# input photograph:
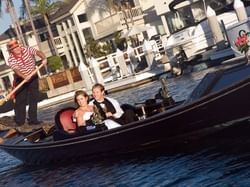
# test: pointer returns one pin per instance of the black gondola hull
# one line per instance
(208, 113)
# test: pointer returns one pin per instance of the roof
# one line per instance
(10, 32)
(64, 10)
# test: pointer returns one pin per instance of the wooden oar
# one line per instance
(2, 101)
(44, 131)
(10, 133)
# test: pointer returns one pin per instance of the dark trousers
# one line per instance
(27, 94)
(127, 117)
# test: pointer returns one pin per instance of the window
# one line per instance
(44, 36)
(87, 33)
(193, 14)
(6, 82)
(82, 18)
(1, 55)
(180, 19)
(72, 21)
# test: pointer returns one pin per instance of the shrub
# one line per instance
(54, 63)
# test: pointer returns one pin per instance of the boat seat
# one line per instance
(63, 120)
(66, 128)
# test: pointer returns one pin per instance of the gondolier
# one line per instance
(22, 62)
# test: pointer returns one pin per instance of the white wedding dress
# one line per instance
(110, 124)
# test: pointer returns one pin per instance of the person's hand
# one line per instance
(44, 61)
(27, 78)
(109, 114)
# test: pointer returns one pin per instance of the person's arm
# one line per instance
(42, 56)
(19, 73)
(79, 118)
(117, 107)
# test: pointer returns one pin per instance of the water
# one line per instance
(219, 160)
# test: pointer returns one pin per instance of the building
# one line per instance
(72, 25)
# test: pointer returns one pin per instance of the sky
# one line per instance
(5, 20)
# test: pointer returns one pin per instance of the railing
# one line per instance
(131, 16)
(131, 13)
(60, 79)
(110, 66)
(107, 25)
(117, 21)
(59, 44)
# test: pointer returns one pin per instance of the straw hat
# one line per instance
(12, 44)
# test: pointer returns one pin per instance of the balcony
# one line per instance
(106, 26)
(133, 16)
(45, 47)
(118, 21)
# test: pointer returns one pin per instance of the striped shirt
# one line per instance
(25, 63)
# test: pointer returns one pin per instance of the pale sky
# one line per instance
(5, 20)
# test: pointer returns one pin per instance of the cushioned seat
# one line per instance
(63, 119)
(64, 124)
(66, 128)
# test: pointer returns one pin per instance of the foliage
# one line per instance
(107, 48)
(95, 49)
(54, 63)
(242, 43)
(120, 42)
(46, 7)
(109, 6)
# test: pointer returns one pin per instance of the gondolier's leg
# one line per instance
(20, 105)
(33, 99)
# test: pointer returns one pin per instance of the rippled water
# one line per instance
(219, 160)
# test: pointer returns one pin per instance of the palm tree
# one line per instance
(46, 8)
(10, 8)
(109, 6)
(26, 9)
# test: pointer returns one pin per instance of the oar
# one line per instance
(2, 101)
(10, 133)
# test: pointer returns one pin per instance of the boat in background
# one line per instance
(235, 31)
(191, 40)
(220, 100)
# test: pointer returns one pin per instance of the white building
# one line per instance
(71, 26)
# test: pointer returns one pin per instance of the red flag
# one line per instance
(7, 9)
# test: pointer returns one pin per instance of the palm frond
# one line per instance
(1, 8)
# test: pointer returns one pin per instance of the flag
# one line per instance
(7, 9)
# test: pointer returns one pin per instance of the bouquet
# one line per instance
(241, 43)
(97, 117)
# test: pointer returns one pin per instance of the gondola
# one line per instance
(221, 98)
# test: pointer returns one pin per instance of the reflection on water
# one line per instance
(219, 160)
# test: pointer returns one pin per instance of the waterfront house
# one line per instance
(71, 25)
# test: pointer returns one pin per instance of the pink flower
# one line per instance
(241, 43)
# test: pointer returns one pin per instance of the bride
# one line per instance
(85, 115)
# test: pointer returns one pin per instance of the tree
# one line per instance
(46, 8)
(26, 10)
(112, 6)
(11, 10)
(96, 50)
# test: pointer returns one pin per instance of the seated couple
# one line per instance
(99, 114)
(87, 115)
(102, 108)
